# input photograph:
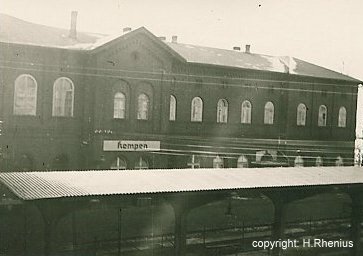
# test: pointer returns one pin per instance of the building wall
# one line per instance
(140, 65)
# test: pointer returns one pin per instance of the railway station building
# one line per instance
(72, 100)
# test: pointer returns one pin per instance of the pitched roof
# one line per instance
(56, 184)
(238, 59)
(14, 30)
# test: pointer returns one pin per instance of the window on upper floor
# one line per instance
(119, 106)
(246, 110)
(63, 97)
(197, 110)
(172, 108)
(301, 115)
(342, 118)
(323, 112)
(25, 96)
(143, 107)
(269, 113)
(222, 111)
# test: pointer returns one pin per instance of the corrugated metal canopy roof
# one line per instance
(57, 184)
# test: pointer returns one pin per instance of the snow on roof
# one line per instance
(239, 59)
(14, 30)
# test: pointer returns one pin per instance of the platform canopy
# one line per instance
(61, 184)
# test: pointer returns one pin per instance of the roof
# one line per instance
(57, 184)
(13, 30)
(238, 59)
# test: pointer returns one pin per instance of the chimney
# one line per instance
(236, 48)
(248, 48)
(162, 38)
(174, 39)
(126, 30)
(73, 30)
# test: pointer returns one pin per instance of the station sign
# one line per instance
(130, 145)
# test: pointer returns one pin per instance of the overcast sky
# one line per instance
(328, 33)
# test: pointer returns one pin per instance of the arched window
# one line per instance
(299, 161)
(172, 108)
(322, 115)
(222, 111)
(143, 107)
(301, 115)
(63, 97)
(119, 164)
(269, 113)
(119, 106)
(217, 162)
(342, 118)
(25, 95)
(242, 162)
(319, 161)
(197, 110)
(141, 164)
(246, 109)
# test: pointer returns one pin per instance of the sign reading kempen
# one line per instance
(130, 145)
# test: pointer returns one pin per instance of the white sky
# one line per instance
(328, 33)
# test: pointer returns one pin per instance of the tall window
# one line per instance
(301, 115)
(322, 115)
(246, 109)
(197, 110)
(342, 118)
(222, 111)
(25, 95)
(63, 97)
(119, 164)
(172, 108)
(269, 113)
(143, 107)
(119, 106)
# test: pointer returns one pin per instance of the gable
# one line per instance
(137, 50)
